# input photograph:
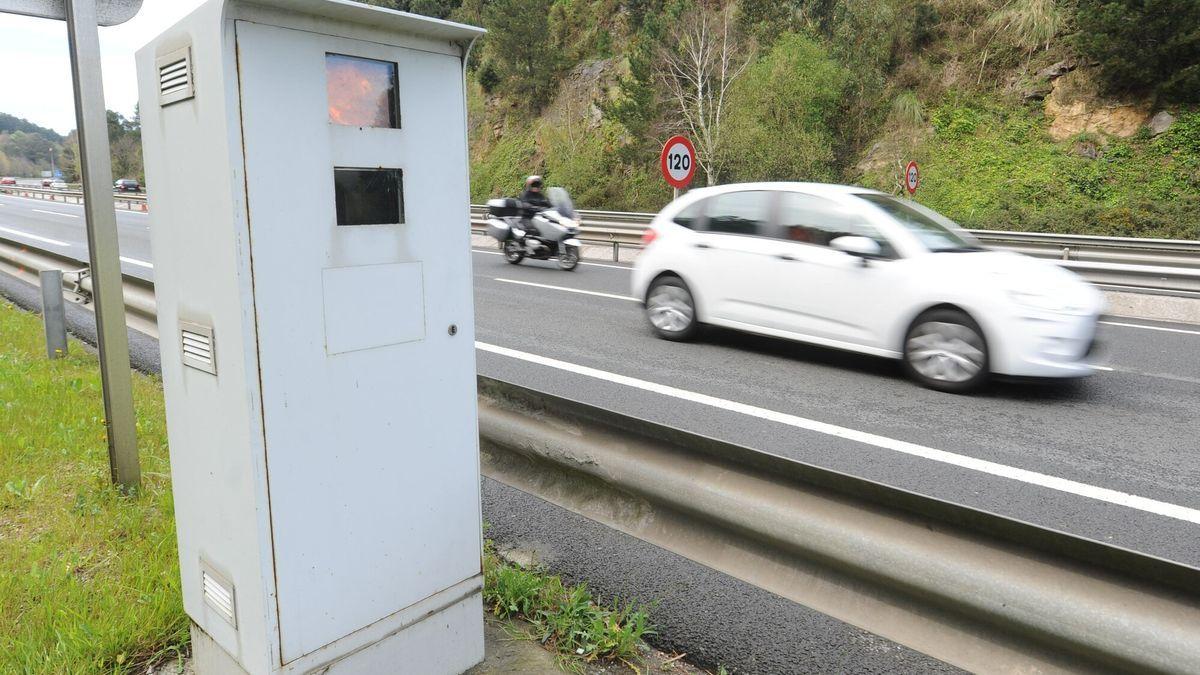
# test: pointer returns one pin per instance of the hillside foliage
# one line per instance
(26, 149)
(845, 91)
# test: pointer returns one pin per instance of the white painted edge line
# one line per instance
(991, 468)
(1160, 328)
(1104, 368)
(139, 263)
(55, 213)
(589, 264)
(568, 290)
(45, 240)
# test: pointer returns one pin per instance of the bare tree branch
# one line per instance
(702, 57)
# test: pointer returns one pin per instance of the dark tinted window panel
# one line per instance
(739, 213)
(690, 217)
(362, 92)
(369, 196)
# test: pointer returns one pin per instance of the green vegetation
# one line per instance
(1144, 46)
(26, 149)
(843, 90)
(992, 166)
(89, 581)
(565, 619)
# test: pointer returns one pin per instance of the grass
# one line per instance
(89, 579)
(565, 619)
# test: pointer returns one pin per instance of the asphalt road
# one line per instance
(60, 228)
(1115, 457)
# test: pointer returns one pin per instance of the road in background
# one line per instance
(1114, 457)
(61, 228)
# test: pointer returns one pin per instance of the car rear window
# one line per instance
(690, 216)
(746, 212)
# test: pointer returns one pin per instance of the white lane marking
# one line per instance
(1164, 329)
(55, 213)
(590, 264)
(991, 468)
(1104, 368)
(135, 261)
(568, 290)
(45, 240)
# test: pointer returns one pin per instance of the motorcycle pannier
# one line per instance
(504, 208)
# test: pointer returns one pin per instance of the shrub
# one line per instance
(1143, 46)
(782, 112)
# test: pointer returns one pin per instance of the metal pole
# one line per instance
(113, 341)
(54, 316)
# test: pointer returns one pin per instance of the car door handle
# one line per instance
(702, 245)
(784, 256)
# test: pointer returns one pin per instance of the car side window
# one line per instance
(747, 212)
(691, 216)
(812, 220)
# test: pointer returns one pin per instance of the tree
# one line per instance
(1143, 46)
(781, 124)
(435, 8)
(704, 54)
(520, 46)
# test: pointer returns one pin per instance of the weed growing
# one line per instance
(565, 619)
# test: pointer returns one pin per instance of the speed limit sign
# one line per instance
(912, 178)
(678, 161)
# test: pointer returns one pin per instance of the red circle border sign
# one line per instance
(662, 161)
(912, 185)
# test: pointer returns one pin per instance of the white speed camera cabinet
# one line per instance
(307, 168)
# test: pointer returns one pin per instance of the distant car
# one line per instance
(8, 181)
(126, 185)
(58, 185)
(46, 182)
(855, 269)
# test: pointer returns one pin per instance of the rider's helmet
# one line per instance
(534, 183)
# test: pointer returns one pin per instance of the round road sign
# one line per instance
(678, 161)
(912, 177)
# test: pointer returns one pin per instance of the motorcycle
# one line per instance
(547, 233)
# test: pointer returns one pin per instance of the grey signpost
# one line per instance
(83, 18)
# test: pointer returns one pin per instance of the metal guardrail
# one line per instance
(1168, 266)
(122, 200)
(973, 588)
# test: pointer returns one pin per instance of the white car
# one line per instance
(855, 269)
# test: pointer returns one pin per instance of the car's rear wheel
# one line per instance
(945, 350)
(671, 309)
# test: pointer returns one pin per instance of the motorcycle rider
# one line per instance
(533, 195)
(534, 200)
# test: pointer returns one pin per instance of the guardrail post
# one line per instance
(1066, 253)
(54, 315)
(616, 251)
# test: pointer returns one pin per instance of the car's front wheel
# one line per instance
(945, 350)
(671, 309)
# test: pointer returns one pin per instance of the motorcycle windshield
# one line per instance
(562, 202)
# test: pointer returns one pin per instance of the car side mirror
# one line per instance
(860, 247)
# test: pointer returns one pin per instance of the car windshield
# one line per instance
(935, 232)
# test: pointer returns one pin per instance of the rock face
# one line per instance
(1161, 121)
(1074, 107)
